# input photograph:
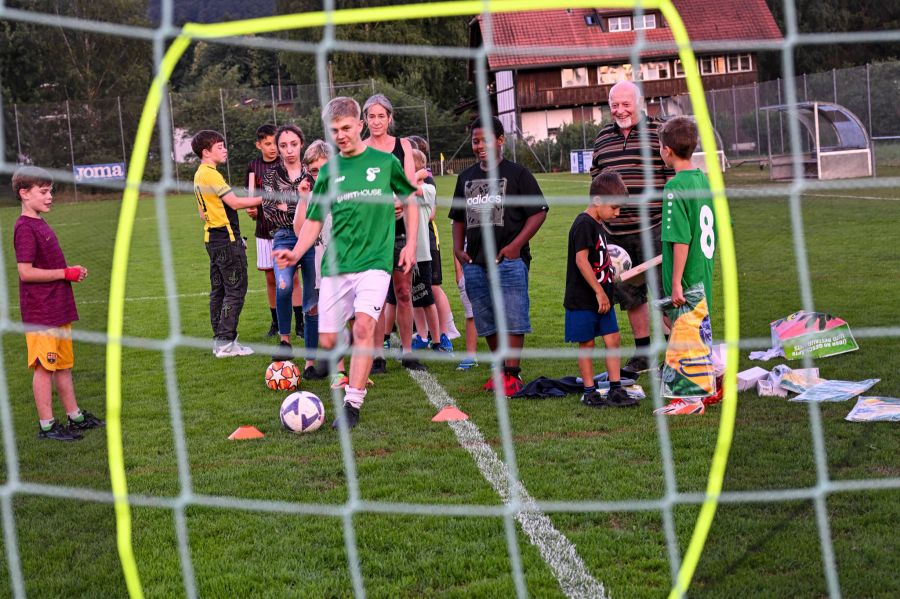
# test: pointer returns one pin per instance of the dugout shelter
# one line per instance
(698, 159)
(836, 145)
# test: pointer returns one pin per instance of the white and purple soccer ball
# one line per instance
(302, 412)
(620, 259)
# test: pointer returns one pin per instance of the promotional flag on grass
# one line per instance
(688, 370)
(813, 334)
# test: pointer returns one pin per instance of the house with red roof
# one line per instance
(548, 68)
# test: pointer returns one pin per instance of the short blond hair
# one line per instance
(419, 160)
(340, 107)
(316, 151)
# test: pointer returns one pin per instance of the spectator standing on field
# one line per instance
(258, 167)
(589, 286)
(226, 248)
(47, 304)
(378, 113)
(618, 148)
(513, 216)
(282, 199)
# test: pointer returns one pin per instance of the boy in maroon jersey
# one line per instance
(47, 305)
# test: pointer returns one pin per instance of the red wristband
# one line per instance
(73, 273)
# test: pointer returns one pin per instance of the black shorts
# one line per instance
(436, 272)
(421, 286)
(633, 296)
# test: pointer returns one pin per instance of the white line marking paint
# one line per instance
(154, 298)
(559, 553)
(829, 195)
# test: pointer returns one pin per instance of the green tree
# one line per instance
(443, 80)
(827, 16)
(53, 63)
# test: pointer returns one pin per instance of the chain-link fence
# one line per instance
(870, 92)
(68, 134)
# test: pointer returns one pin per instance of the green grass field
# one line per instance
(564, 452)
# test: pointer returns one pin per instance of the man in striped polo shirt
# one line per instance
(618, 148)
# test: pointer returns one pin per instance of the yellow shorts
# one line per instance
(51, 347)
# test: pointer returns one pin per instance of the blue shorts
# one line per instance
(513, 276)
(585, 325)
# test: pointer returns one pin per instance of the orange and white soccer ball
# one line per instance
(282, 376)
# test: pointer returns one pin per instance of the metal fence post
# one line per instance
(547, 127)
(834, 83)
(780, 119)
(427, 133)
(18, 139)
(869, 95)
(805, 93)
(274, 114)
(224, 133)
(737, 145)
(71, 148)
(756, 112)
(121, 129)
(583, 130)
(174, 141)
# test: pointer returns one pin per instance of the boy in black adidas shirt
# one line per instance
(589, 287)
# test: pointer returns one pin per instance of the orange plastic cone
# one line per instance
(246, 432)
(450, 413)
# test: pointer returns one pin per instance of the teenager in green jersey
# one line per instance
(359, 258)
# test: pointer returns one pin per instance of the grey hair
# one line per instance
(381, 100)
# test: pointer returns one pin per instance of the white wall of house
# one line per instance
(536, 123)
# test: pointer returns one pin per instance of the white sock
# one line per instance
(47, 424)
(452, 331)
(75, 415)
(354, 397)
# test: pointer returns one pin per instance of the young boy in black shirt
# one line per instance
(589, 287)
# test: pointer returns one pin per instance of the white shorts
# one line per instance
(464, 298)
(319, 250)
(342, 296)
(264, 254)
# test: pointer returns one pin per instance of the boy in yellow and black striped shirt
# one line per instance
(218, 208)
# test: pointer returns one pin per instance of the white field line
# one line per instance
(559, 553)
(846, 197)
(154, 298)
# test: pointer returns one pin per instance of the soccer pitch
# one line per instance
(564, 452)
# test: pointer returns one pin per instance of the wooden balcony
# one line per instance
(531, 97)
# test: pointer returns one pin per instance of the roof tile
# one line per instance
(725, 20)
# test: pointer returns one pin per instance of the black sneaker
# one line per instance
(379, 366)
(88, 421)
(636, 365)
(619, 398)
(411, 363)
(58, 432)
(351, 414)
(593, 400)
(311, 373)
(273, 330)
(284, 352)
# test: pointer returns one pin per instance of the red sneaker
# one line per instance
(489, 385)
(680, 407)
(512, 384)
(717, 396)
